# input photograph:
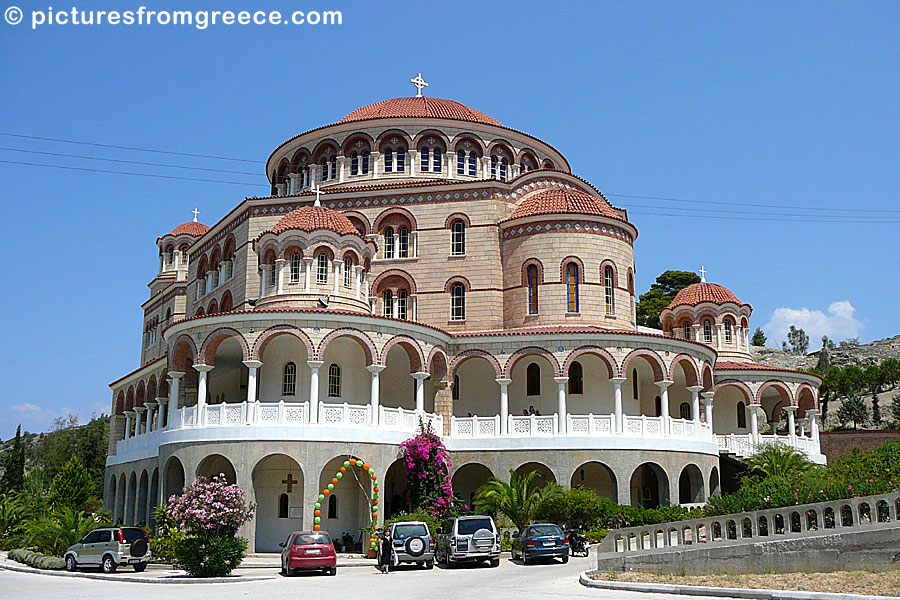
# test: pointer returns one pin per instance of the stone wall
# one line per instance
(835, 444)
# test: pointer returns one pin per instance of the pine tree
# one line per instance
(854, 410)
(895, 410)
(759, 338)
(72, 486)
(14, 465)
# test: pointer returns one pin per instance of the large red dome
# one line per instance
(697, 293)
(312, 218)
(192, 228)
(563, 201)
(418, 107)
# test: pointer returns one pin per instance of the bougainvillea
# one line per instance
(210, 508)
(427, 467)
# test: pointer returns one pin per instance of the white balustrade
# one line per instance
(533, 425)
(742, 446)
(404, 419)
(473, 427)
(345, 415)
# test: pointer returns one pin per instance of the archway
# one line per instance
(228, 379)
(690, 485)
(214, 465)
(130, 498)
(474, 382)
(153, 498)
(598, 477)
(544, 476)
(141, 508)
(120, 500)
(352, 509)
(173, 478)
(649, 486)
(395, 498)
(111, 495)
(278, 487)
(714, 482)
(467, 479)
(285, 372)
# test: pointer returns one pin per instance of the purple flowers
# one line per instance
(210, 508)
(428, 473)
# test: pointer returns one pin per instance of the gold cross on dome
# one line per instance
(419, 83)
(290, 481)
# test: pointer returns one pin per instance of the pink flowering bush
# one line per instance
(428, 474)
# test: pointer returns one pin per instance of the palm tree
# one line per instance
(60, 529)
(516, 500)
(779, 460)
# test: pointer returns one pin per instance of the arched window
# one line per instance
(402, 304)
(457, 302)
(283, 506)
(354, 164)
(387, 302)
(389, 242)
(533, 380)
(436, 160)
(685, 410)
(634, 384)
(741, 415)
(323, 176)
(687, 330)
(460, 163)
(572, 287)
(576, 378)
(289, 380)
(493, 167)
(388, 161)
(296, 260)
(403, 242)
(425, 160)
(332, 507)
(348, 271)
(170, 256)
(608, 288)
(473, 163)
(532, 274)
(334, 381)
(401, 161)
(504, 167)
(322, 268)
(455, 392)
(365, 163)
(707, 331)
(458, 238)
(728, 334)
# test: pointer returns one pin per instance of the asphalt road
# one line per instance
(510, 580)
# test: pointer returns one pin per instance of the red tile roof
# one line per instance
(728, 365)
(312, 218)
(563, 201)
(192, 228)
(697, 293)
(419, 107)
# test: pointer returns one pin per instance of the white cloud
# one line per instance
(839, 324)
(26, 408)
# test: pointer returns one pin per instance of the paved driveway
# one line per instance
(510, 580)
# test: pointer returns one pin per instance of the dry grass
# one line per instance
(873, 583)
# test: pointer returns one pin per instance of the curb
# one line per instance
(719, 592)
(127, 579)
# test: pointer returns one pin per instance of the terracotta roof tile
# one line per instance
(563, 201)
(418, 107)
(312, 218)
(192, 228)
(697, 293)
(728, 365)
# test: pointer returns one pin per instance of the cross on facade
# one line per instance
(419, 83)
(290, 481)
(703, 273)
(196, 214)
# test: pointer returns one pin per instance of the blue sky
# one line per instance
(789, 104)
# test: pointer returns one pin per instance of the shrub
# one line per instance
(427, 469)
(60, 528)
(210, 508)
(417, 515)
(215, 556)
(36, 559)
(72, 485)
(162, 545)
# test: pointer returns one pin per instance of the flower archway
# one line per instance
(367, 468)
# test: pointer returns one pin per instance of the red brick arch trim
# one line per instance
(129, 398)
(689, 366)
(391, 273)
(290, 250)
(355, 214)
(214, 339)
(349, 147)
(120, 403)
(597, 351)
(783, 390)
(272, 332)
(707, 376)
(395, 210)
(384, 141)
(183, 348)
(457, 279)
(365, 342)
(462, 357)
(601, 272)
(330, 250)
(437, 370)
(540, 269)
(457, 216)
(807, 402)
(743, 387)
(140, 395)
(151, 388)
(412, 348)
(355, 257)
(459, 143)
(652, 358)
(530, 351)
(564, 264)
(420, 140)
(319, 151)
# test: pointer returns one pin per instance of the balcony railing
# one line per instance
(742, 445)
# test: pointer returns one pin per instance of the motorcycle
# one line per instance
(578, 545)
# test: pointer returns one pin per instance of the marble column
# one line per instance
(420, 390)
(200, 409)
(504, 405)
(314, 366)
(253, 367)
(279, 265)
(664, 403)
(375, 389)
(561, 409)
(174, 384)
(617, 405)
(695, 401)
(791, 423)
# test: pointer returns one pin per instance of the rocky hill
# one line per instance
(846, 353)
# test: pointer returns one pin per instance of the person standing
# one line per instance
(385, 557)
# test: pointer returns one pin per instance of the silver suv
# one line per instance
(467, 539)
(110, 547)
(413, 543)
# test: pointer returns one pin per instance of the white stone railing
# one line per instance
(474, 427)
(533, 425)
(591, 424)
(403, 419)
(742, 445)
(345, 415)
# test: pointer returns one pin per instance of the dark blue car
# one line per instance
(540, 540)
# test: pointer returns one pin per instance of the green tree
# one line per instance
(759, 338)
(895, 409)
(516, 500)
(14, 465)
(660, 294)
(798, 340)
(779, 460)
(72, 485)
(827, 343)
(875, 378)
(854, 410)
(61, 528)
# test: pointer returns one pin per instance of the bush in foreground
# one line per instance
(210, 556)
(36, 559)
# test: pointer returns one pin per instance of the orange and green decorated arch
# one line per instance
(367, 468)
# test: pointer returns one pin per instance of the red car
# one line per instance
(310, 550)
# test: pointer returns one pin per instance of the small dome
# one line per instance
(313, 218)
(192, 228)
(419, 107)
(697, 293)
(563, 201)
